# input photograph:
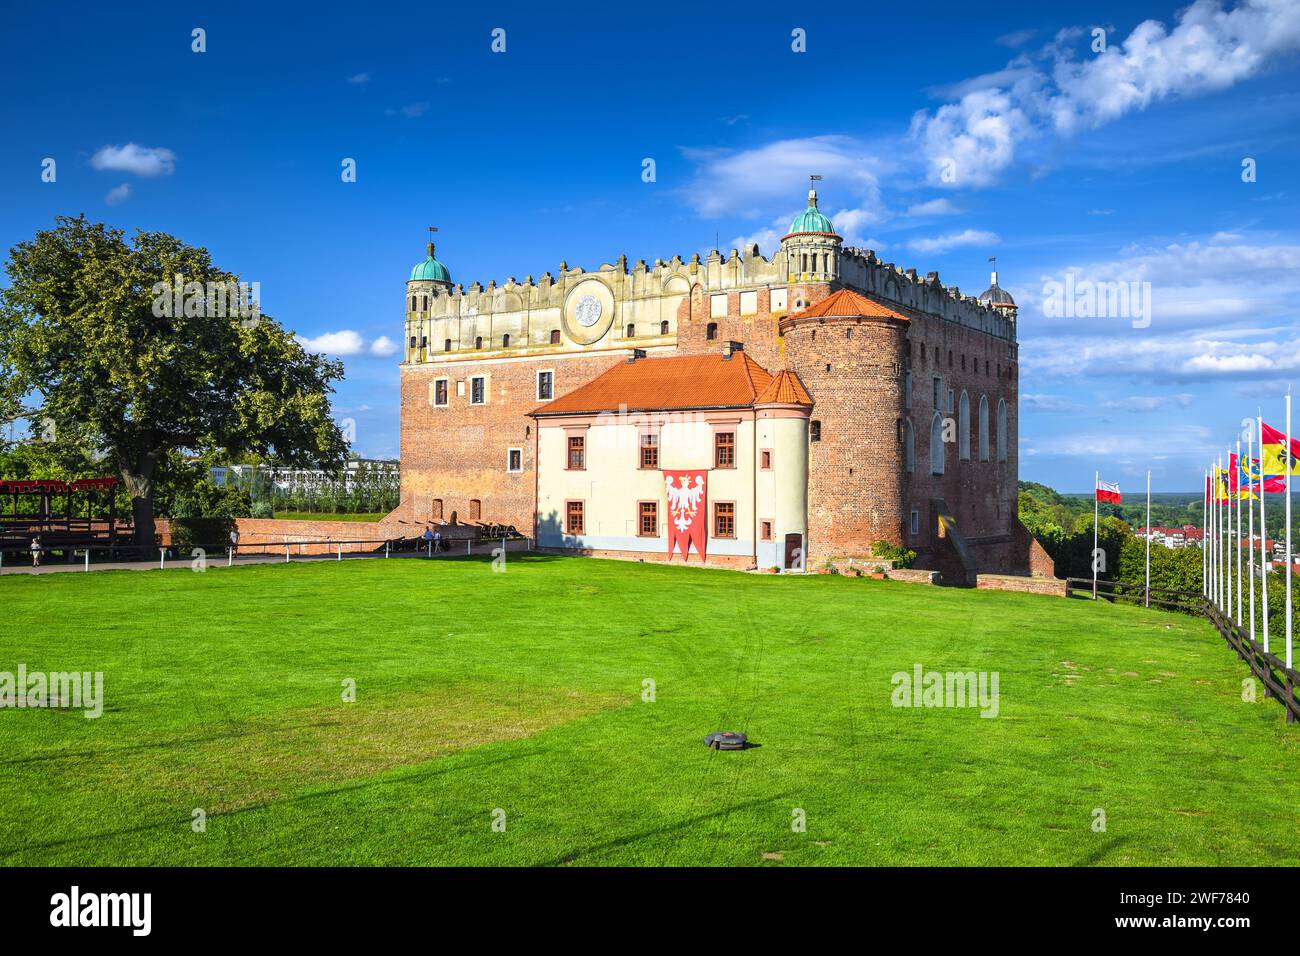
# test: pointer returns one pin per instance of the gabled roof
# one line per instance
(847, 304)
(785, 389)
(678, 382)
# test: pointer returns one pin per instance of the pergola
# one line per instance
(74, 524)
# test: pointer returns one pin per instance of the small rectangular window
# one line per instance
(573, 518)
(916, 521)
(478, 390)
(814, 430)
(765, 533)
(475, 509)
(440, 392)
(938, 394)
(648, 519)
(765, 459)
(724, 450)
(724, 519)
(545, 386)
(577, 460)
(515, 460)
(649, 450)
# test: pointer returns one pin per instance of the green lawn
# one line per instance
(523, 691)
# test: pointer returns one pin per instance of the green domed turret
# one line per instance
(811, 219)
(430, 270)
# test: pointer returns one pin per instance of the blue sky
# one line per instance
(946, 134)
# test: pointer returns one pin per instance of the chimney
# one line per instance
(731, 347)
(636, 354)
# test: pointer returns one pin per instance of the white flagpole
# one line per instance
(1096, 479)
(1218, 538)
(1286, 457)
(1205, 549)
(1236, 551)
(1250, 528)
(1263, 536)
(1148, 597)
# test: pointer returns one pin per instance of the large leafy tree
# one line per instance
(81, 337)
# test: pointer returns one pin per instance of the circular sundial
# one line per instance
(587, 311)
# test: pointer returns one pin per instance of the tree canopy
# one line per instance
(118, 368)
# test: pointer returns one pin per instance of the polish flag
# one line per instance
(1108, 491)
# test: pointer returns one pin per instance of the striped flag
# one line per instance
(1108, 491)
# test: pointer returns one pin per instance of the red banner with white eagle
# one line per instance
(687, 511)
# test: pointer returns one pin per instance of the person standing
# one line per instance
(437, 541)
(36, 551)
(427, 538)
(234, 540)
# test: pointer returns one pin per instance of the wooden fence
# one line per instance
(1279, 680)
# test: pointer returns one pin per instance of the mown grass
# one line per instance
(523, 691)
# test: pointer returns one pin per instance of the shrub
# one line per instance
(900, 556)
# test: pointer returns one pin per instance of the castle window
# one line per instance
(963, 363)
(424, 303)
(440, 392)
(724, 450)
(804, 260)
(909, 445)
(647, 525)
(938, 394)
(555, 336)
(545, 386)
(649, 450)
(848, 334)
(478, 390)
(963, 428)
(478, 341)
(437, 508)
(724, 519)
(663, 327)
(814, 430)
(950, 358)
(936, 444)
(984, 428)
(446, 345)
(412, 303)
(711, 331)
(826, 262)
(412, 341)
(765, 459)
(577, 460)
(986, 366)
(631, 331)
(916, 521)
(907, 390)
(765, 530)
(574, 519)
(1002, 430)
(514, 460)
(505, 341)
(475, 509)
(424, 342)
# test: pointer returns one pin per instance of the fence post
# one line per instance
(162, 557)
(286, 552)
(230, 556)
(340, 550)
(385, 549)
(469, 547)
(87, 559)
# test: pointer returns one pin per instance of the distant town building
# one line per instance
(284, 478)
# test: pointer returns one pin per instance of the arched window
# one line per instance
(804, 259)
(663, 327)
(412, 341)
(505, 341)
(555, 336)
(936, 444)
(437, 508)
(446, 345)
(1002, 430)
(963, 428)
(478, 341)
(984, 428)
(412, 303)
(424, 303)
(909, 445)
(631, 331)
(711, 332)
(826, 262)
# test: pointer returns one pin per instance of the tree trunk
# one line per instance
(138, 482)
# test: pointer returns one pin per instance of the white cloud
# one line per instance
(1208, 49)
(1015, 39)
(132, 158)
(933, 207)
(954, 240)
(118, 194)
(410, 110)
(359, 78)
(347, 342)
(1149, 403)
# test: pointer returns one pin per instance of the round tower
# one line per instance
(812, 247)
(850, 353)
(429, 279)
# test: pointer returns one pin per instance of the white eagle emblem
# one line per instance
(684, 501)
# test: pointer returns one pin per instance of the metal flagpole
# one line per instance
(1250, 526)
(1096, 478)
(1205, 555)
(1218, 533)
(1264, 562)
(1286, 457)
(1148, 592)
(1236, 551)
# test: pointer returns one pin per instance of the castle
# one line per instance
(832, 400)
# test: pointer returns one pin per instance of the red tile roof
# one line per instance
(786, 389)
(847, 304)
(682, 381)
